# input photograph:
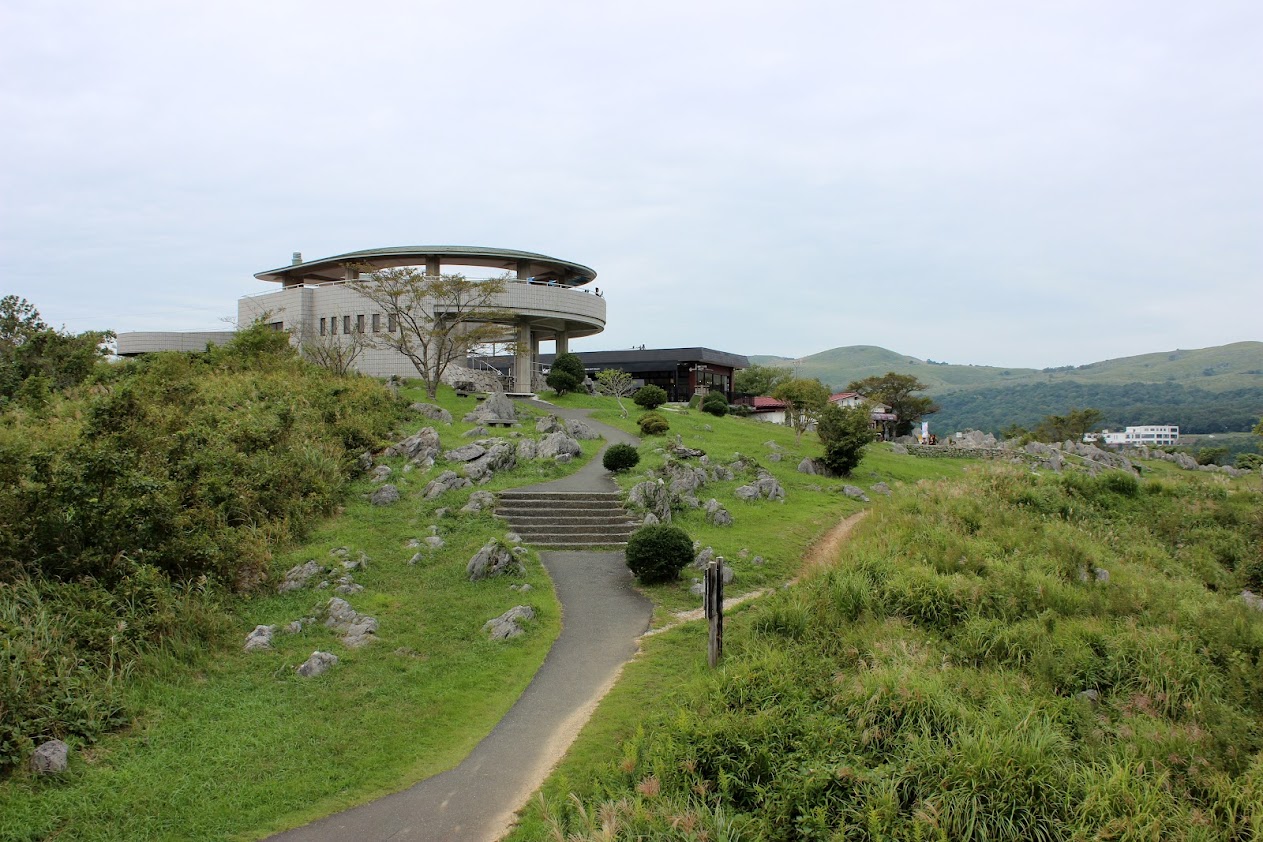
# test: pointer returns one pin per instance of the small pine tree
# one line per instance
(650, 397)
(620, 457)
(566, 374)
(658, 553)
(716, 404)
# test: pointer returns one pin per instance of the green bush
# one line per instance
(653, 424)
(845, 432)
(620, 457)
(650, 397)
(658, 553)
(716, 404)
(695, 401)
(566, 374)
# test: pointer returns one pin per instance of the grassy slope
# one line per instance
(235, 745)
(1235, 366)
(925, 687)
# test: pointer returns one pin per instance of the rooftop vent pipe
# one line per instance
(296, 259)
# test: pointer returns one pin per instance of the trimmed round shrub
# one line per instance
(620, 457)
(650, 397)
(653, 424)
(716, 404)
(658, 553)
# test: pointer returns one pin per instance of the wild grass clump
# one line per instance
(1010, 656)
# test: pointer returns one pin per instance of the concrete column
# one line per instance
(535, 360)
(433, 265)
(563, 342)
(523, 270)
(526, 343)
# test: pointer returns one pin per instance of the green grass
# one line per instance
(926, 685)
(226, 744)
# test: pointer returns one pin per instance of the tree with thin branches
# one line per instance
(616, 383)
(434, 320)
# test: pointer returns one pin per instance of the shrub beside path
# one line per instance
(602, 618)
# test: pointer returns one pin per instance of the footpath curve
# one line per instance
(602, 618)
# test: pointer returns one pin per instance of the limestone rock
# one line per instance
(775, 457)
(808, 466)
(478, 501)
(766, 487)
(881, 488)
(1252, 600)
(558, 444)
(746, 492)
(581, 431)
(899, 449)
(509, 624)
(347, 586)
(51, 758)
(318, 663)
(474, 433)
(717, 514)
(381, 473)
(361, 633)
(384, 496)
(498, 407)
(446, 481)
(499, 456)
(650, 519)
(465, 454)
(855, 493)
(651, 496)
(260, 638)
(298, 576)
(526, 449)
(549, 424)
(419, 449)
(364, 462)
(703, 558)
(339, 614)
(434, 413)
(494, 559)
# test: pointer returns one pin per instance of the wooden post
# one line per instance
(713, 603)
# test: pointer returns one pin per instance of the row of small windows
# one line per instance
(329, 326)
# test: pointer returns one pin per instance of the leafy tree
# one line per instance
(896, 391)
(1069, 427)
(36, 360)
(566, 374)
(19, 321)
(760, 379)
(650, 397)
(434, 319)
(1211, 456)
(805, 398)
(844, 432)
(616, 383)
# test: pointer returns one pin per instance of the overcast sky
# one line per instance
(1017, 184)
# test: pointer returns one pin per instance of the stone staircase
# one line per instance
(567, 520)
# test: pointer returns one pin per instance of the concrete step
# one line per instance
(567, 519)
(547, 530)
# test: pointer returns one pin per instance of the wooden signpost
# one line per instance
(713, 605)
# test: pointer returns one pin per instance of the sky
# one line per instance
(1017, 184)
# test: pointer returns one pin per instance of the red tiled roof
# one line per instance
(768, 403)
(841, 395)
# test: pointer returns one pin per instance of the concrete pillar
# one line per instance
(563, 342)
(523, 269)
(433, 265)
(535, 361)
(526, 343)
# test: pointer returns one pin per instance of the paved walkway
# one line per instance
(602, 616)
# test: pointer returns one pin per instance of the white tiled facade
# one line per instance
(1153, 435)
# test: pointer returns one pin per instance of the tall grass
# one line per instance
(1008, 656)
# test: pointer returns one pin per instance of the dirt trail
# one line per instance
(818, 555)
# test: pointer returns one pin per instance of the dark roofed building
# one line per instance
(680, 372)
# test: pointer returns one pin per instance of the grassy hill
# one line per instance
(1218, 369)
(1208, 390)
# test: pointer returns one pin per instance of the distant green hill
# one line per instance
(1218, 369)
(1208, 390)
